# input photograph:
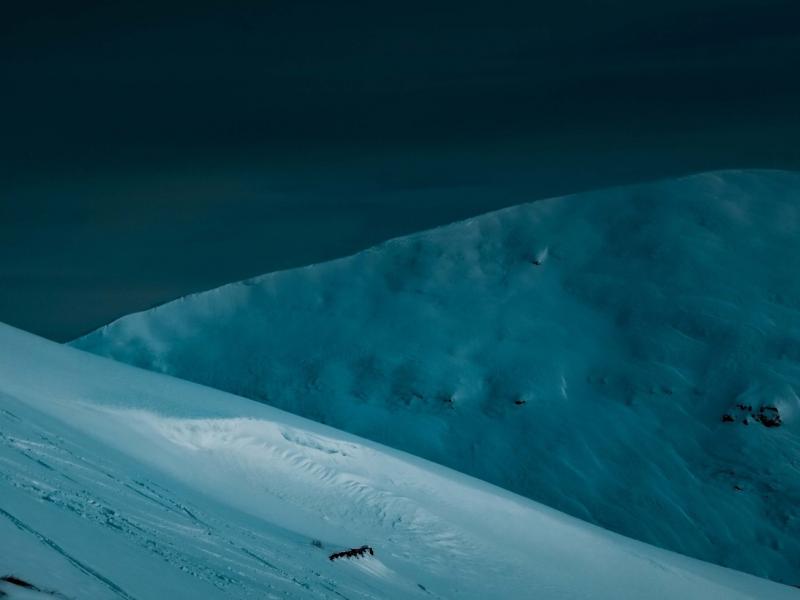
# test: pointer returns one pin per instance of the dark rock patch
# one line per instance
(768, 416)
(352, 553)
(18, 582)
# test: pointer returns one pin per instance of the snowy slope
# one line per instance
(580, 351)
(120, 483)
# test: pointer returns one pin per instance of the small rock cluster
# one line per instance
(352, 553)
(767, 415)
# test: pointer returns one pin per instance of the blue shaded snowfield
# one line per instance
(120, 483)
(580, 351)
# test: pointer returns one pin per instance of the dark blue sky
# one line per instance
(152, 150)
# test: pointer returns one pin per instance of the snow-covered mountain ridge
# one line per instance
(582, 351)
(120, 483)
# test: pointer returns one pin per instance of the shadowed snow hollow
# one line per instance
(630, 356)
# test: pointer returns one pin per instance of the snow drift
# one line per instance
(611, 354)
(119, 483)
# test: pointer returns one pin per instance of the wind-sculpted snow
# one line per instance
(124, 484)
(581, 351)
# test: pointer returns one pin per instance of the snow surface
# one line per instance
(579, 351)
(120, 483)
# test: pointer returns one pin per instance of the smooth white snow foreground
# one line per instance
(120, 483)
(580, 351)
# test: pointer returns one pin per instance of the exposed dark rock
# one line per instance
(352, 553)
(769, 416)
(18, 582)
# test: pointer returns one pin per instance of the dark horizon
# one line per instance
(152, 151)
